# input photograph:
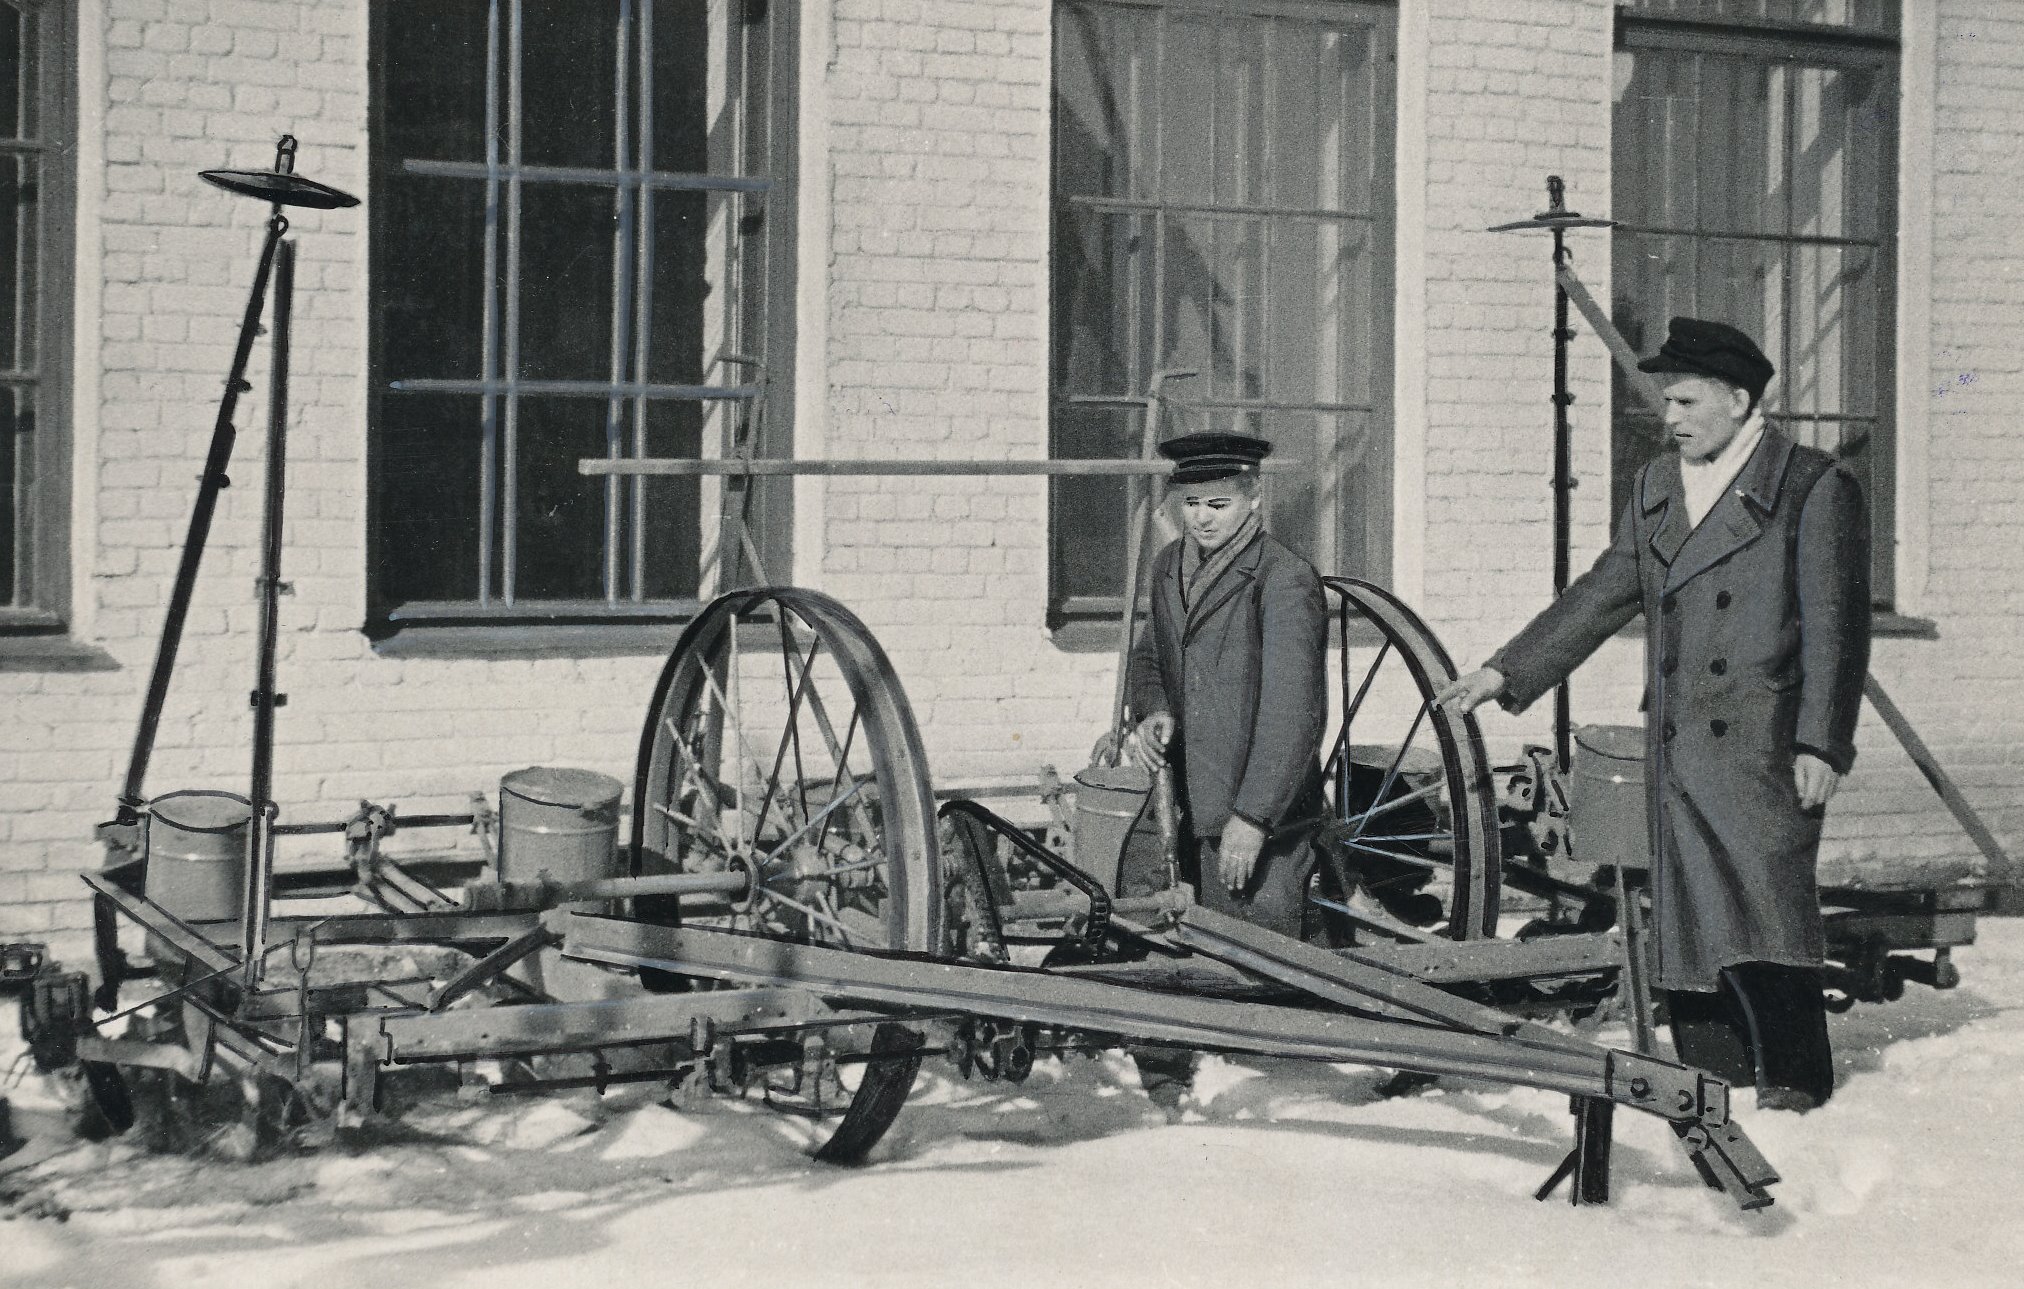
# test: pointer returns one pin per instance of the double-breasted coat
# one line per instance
(1756, 647)
(1242, 672)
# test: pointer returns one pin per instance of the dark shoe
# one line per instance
(1792, 1099)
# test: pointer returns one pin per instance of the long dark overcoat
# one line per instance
(1756, 645)
(1241, 670)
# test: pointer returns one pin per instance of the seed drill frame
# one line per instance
(798, 918)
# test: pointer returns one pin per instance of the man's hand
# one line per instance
(1237, 853)
(1149, 743)
(1816, 779)
(1472, 691)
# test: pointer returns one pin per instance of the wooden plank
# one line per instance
(876, 466)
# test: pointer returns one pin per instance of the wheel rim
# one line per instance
(780, 744)
(1415, 815)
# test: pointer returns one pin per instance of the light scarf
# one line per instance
(1199, 571)
(1704, 481)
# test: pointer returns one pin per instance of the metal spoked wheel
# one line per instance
(1413, 811)
(781, 745)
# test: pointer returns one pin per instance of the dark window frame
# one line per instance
(38, 603)
(1372, 522)
(762, 313)
(1792, 44)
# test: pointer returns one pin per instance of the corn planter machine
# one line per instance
(798, 915)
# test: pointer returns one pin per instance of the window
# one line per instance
(36, 128)
(1756, 181)
(580, 217)
(1223, 204)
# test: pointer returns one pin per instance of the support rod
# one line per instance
(213, 481)
(260, 837)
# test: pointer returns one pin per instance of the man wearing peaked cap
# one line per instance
(1227, 684)
(1748, 556)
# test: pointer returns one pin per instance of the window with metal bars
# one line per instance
(1223, 204)
(581, 220)
(1755, 178)
(36, 133)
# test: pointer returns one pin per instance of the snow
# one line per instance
(1271, 1173)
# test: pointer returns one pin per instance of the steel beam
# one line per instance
(1035, 996)
(608, 1022)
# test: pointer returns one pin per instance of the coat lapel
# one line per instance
(1662, 491)
(1234, 579)
(1737, 517)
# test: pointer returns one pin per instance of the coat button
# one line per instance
(1719, 665)
(1721, 599)
(1718, 728)
(1667, 731)
(1669, 604)
(1669, 666)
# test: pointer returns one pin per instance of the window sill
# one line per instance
(531, 640)
(1883, 625)
(52, 651)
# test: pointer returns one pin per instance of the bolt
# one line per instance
(1640, 1088)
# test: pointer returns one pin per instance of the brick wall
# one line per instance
(938, 348)
(934, 344)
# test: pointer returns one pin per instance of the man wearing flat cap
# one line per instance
(1227, 683)
(1749, 557)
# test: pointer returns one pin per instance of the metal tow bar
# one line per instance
(1416, 1027)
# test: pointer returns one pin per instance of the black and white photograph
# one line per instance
(1011, 642)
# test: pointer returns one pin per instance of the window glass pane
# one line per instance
(1089, 530)
(1187, 89)
(560, 514)
(17, 424)
(1213, 288)
(675, 354)
(1104, 64)
(428, 252)
(1321, 319)
(681, 85)
(427, 474)
(568, 82)
(1104, 324)
(565, 281)
(1321, 112)
(434, 68)
(672, 536)
(20, 198)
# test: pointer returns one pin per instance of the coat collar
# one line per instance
(1218, 593)
(1733, 522)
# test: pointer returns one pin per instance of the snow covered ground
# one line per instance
(1275, 1174)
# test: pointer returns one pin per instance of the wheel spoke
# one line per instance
(1420, 793)
(798, 833)
(808, 911)
(820, 711)
(1416, 860)
(790, 733)
(692, 767)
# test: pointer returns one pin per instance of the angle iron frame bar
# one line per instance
(1037, 996)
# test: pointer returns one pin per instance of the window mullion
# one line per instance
(621, 299)
(642, 294)
(510, 490)
(488, 450)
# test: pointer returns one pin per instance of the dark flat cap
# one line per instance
(1700, 348)
(1204, 458)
